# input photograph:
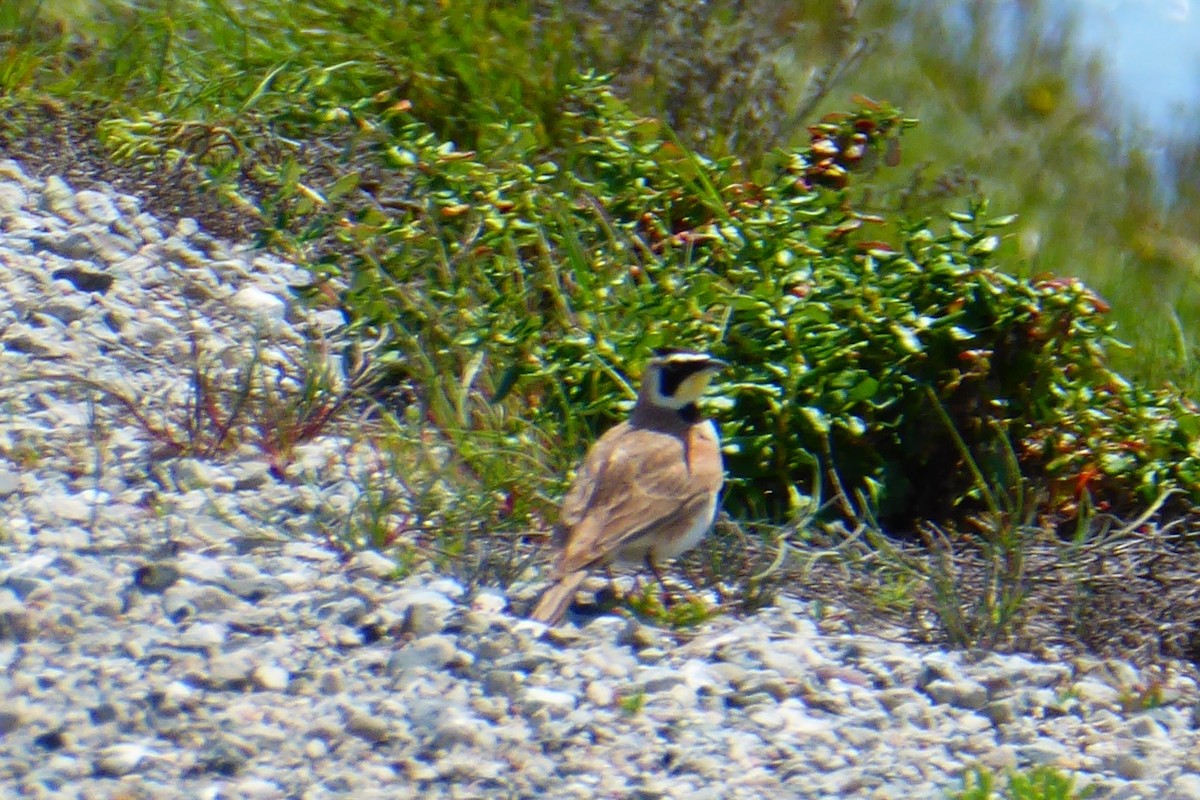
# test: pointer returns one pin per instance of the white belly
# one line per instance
(634, 554)
(703, 524)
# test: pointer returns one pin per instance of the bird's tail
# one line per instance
(555, 600)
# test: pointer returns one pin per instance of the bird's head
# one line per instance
(676, 379)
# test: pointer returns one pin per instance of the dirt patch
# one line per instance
(47, 140)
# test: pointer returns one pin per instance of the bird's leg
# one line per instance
(667, 599)
(613, 591)
(610, 596)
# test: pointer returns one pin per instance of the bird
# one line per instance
(647, 490)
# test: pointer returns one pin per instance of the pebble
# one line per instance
(271, 677)
(174, 623)
(367, 726)
(430, 652)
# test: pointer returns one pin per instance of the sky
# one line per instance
(1153, 51)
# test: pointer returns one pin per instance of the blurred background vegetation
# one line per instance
(1013, 105)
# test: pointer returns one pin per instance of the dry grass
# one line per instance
(1122, 594)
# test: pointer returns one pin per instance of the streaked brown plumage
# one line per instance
(647, 490)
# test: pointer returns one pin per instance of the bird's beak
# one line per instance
(716, 364)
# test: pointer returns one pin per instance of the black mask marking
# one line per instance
(674, 373)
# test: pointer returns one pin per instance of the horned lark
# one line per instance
(647, 490)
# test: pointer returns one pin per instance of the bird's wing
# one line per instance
(590, 476)
(635, 481)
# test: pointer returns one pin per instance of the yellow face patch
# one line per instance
(693, 386)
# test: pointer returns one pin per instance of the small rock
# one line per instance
(69, 507)
(1000, 712)
(121, 759)
(12, 197)
(202, 569)
(535, 697)
(1145, 727)
(1130, 766)
(224, 756)
(429, 652)
(368, 727)
(476, 622)
(332, 682)
(372, 563)
(254, 788)
(422, 619)
(156, 578)
(447, 587)
(651, 655)
(271, 677)
(640, 637)
(229, 670)
(564, 635)
(1043, 752)
(346, 610)
(248, 477)
(1183, 787)
(418, 771)
(348, 637)
(658, 679)
(893, 698)
(59, 198)
(461, 730)
(600, 693)
(330, 320)
(503, 682)
(9, 483)
(960, 694)
(260, 306)
(489, 602)
(9, 721)
(192, 473)
(17, 588)
(203, 636)
(186, 228)
(176, 696)
(254, 589)
(183, 600)
(97, 207)
(1096, 693)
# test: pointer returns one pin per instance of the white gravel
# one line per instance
(175, 627)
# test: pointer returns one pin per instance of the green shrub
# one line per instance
(535, 282)
(1036, 783)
